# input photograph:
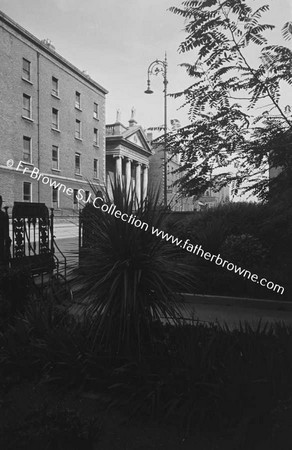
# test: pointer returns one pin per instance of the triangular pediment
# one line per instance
(135, 138)
(138, 138)
(132, 138)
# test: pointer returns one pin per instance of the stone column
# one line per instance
(145, 181)
(138, 182)
(118, 171)
(128, 174)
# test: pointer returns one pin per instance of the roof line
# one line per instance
(124, 140)
(51, 52)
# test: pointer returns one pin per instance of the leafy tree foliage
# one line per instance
(226, 95)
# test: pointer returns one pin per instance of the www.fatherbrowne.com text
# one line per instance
(98, 203)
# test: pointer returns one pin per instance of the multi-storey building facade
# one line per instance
(52, 119)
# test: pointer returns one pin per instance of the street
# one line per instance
(205, 308)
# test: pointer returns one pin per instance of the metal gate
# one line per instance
(32, 245)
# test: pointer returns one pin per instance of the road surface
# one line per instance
(210, 309)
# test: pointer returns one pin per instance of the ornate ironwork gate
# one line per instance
(33, 245)
(32, 241)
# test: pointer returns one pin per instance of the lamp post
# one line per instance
(155, 68)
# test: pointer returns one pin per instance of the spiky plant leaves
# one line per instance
(128, 278)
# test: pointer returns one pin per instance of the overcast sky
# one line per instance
(115, 41)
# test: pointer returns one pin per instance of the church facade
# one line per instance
(127, 156)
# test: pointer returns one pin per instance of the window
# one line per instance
(95, 136)
(75, 192)
(26, 106)
(77, 163)
(26, 191)
(78, 129)
(55, 197)
(77, 100)
(55, 157)
(55, 86)
(95, 168)
(95, 111)
(26, 149)
(55, 119)
(25, 69)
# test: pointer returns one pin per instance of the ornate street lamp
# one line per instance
(155, 68)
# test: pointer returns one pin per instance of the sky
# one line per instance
(115, 41)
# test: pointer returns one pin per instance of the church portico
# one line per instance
(128, 173)
(118, 168)
(127, 154)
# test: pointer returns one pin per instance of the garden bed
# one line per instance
(196, 386)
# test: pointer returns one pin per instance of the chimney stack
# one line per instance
(48, 43)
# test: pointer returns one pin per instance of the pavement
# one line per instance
(232, 311)
(65, 231)
(69, 247)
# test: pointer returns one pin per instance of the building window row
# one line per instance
(78, 166)
(27, 194)
(26, 75)
(78, 127)
(27, 157)
(27, 114)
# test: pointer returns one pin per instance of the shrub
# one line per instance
(263, 242)
(59, 428)
(15, 291)
(245, 250)
(127, 276)
(198, 374)
(209, 375)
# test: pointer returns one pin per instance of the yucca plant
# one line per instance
(127, 277)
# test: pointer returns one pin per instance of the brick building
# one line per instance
(52, 119)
